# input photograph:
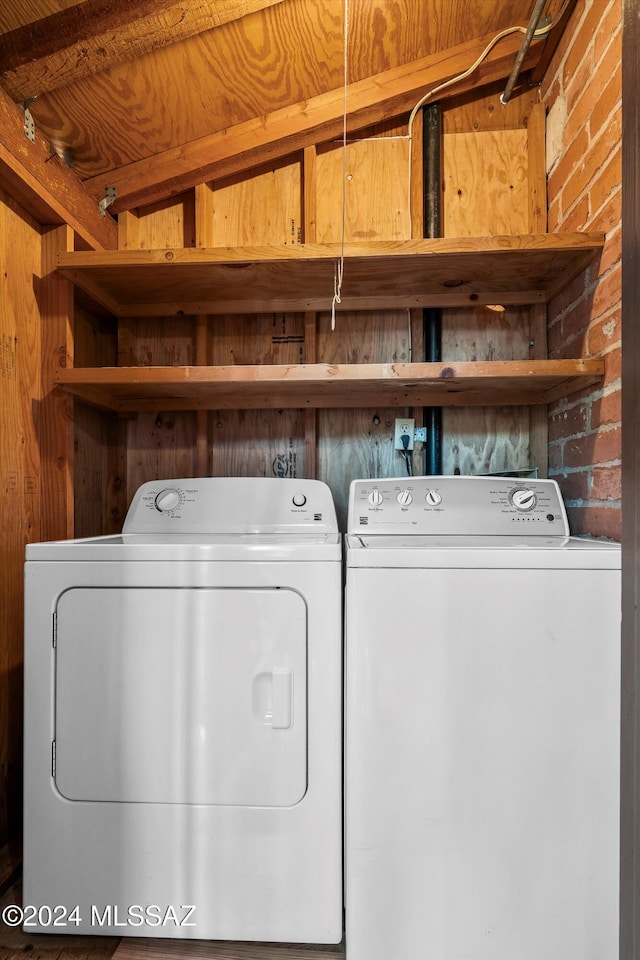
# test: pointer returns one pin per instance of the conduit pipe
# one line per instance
(432, 316)
(522, 52)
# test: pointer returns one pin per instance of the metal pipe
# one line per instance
(522, 52)
(431, 317)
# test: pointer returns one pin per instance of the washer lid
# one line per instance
(425, 552)
(197, 548)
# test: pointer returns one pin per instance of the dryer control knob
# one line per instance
(167, 500)
(523, 499)
(433, 498)
(404, 498)
(375, 498)
(299, 499)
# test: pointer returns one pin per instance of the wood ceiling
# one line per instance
(154, 96)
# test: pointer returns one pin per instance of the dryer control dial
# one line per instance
(375, 498)
(523, 499)
(167, 500)
(433, 498)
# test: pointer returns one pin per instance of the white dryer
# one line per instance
(482, 722)
(183, 731)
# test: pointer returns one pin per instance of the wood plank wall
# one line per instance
(19, 479)
(494, 183)
(492, 161)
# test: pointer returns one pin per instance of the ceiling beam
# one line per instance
(44, 186)
(98, 34)
(271, 137)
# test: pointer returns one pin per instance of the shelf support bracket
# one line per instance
(109, 198)
(29, 122)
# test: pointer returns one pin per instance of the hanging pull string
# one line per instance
(538, 35)
(339, 267)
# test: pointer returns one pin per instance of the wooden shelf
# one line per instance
(498, 383)
(463, 272)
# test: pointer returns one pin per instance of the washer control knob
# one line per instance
(375, 498)
(523, 499)
(299, 499)
(167, 500)
(404, 498)
(433, 498)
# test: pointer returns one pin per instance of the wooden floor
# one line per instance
(15, 944)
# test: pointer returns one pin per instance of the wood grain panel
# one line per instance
(374, 175)
(485, 440)
(249, 68)
(20, 466)
(262, 209)
(267, 442)
(493, 158)
(167, 223)
(375, 182)
(486, 183)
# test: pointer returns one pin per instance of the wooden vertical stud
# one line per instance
(309, 219)
(204, 232)
(537, 169)
(538, 415)
(56, 420)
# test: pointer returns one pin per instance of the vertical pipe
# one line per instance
(432, 317)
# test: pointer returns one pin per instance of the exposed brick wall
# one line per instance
(582, 92)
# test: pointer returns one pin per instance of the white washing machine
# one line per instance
(183, 726)
(482, 722)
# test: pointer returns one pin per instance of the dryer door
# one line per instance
(181, 695)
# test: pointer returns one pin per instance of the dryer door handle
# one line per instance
(282, 698)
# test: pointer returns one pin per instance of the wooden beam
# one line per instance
(55, 297)
(267, 138)
(98, 34)
(44, 186)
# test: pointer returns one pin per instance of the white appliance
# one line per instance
(183, 726)
(482, 720)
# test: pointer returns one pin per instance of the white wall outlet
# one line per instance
(405, 427)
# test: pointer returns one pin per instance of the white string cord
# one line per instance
(339, 267)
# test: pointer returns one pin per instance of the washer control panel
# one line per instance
(241, 505)
(457, 506)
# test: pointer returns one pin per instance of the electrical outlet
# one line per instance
(404, 428)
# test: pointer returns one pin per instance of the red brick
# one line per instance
(607, 409)
(574, 486)
(606, 182)
(564, 169)
(604, 334)
(609, 216)
(612, 366)
(608, 292)
(608, 99)
(575, 321)
(611, 254)
(572, 293)
(596, 521)
(591, 161)
(602, 446)
(577, 217)
(568, 423)
(606, 484)
(610, 26)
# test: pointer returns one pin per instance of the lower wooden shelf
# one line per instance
(469, 383)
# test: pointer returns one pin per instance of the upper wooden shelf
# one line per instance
(265, 386)
(465, 272)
